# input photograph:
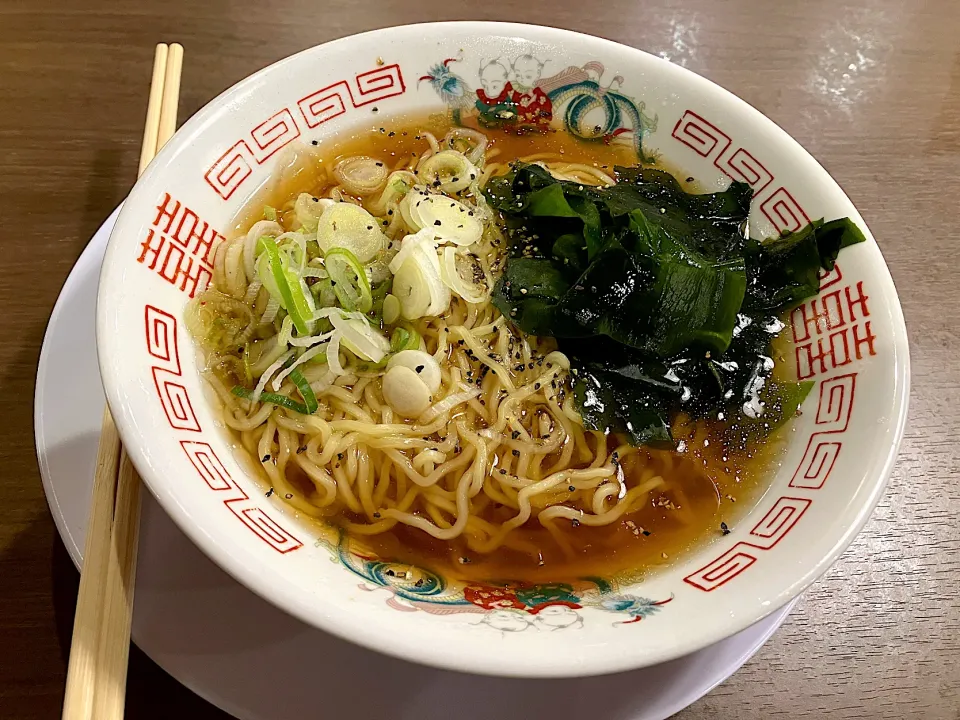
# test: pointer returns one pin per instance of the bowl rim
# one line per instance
(349, 626)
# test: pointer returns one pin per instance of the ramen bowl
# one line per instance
(850, 340)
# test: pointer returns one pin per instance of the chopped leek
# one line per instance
(380, 293)
(444, 217)
(323, 292)
(349, 280)
(306, 392)
(308, 209)
(449, 171)
(464, 275)
(291, 291)
(270, 213)
(417, 282)
(398, 185)
(358, 336)
(349, 226)
(411, 289)
(273, 399)
(391, 309)
(360, 174)
(404, 339)
(247, 373)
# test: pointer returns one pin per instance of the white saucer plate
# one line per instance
(252, 660)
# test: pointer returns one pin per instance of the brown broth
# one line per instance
(398, 139)
(716, 480)
(707, 486)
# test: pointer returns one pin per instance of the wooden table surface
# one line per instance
(870, 87)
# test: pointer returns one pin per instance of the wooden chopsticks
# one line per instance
(99, 651)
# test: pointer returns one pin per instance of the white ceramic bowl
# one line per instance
(851, 340)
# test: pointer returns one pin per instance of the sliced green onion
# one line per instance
(361, 175)
(247, 372)
(272, 398)
(391, 309)
(323, 292)
(444, 217)
(289, 286)
(265, 274)
(448, 170)
(398, 185)
(308, 209)
(350, 226)
(380, 293)
(358, 336)
(270, 213)
(306, 392)
(349, 280)
(451, 273)
(404, 339)
(293, 249)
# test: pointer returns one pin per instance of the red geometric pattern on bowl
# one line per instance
(179, 247)
(823, 447)
(162, 345)
(830, 331)
(273, 133)
(232, 169)
(833, 329)
(161, 329)
(210, 468)
(738, 163)
(834, 408)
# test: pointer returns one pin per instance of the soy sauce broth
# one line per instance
(717, 475)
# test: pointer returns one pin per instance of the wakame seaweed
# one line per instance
(658, 296)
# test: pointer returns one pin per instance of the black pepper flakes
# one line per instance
(269, 492)
(314, 142)
(419, 368)
(515, 453)
(289, 496)
(575, 523)
(265, 458)
(724, 529)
